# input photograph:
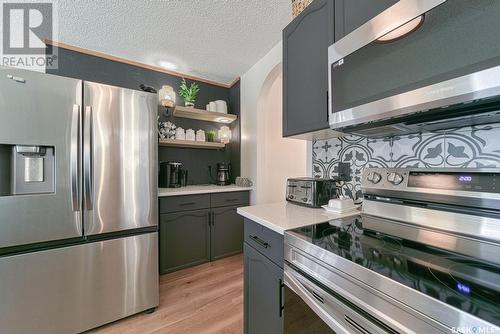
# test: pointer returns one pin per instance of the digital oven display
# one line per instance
(482, 182)
(465, 178)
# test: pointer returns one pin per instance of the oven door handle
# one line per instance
(319, 300)
(313, 302)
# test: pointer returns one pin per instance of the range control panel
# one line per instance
(455, 179)
(464, 181)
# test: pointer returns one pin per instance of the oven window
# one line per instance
(299, 318)
(468, 30)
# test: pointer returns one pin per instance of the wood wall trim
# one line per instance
(234, 82)
(138, 64)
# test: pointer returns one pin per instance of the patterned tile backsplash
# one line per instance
(477, 146)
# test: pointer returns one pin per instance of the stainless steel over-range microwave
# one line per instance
(420, 65)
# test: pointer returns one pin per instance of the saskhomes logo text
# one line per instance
(26, 25)
(473, 330)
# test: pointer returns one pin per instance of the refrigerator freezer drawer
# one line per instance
(73, 289)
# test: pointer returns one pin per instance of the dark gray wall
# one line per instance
(235, 145)
(91, 68)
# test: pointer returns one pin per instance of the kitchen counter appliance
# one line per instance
(78, 203)
(444, 74)
(311, 192)
(172, 175)
(223, 174)
(421, 258)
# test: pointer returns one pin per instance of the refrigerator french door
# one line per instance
(78, 203)
(119, 159)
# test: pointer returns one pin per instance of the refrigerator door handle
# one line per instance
(87, 158)
(75, 158)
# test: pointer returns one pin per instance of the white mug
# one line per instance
(212, 106)
(221, 106)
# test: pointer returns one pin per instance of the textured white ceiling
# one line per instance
(213, 39)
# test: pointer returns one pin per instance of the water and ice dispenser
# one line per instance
(26, 170)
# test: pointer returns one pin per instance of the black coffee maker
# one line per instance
(172, 175)
(223, 174)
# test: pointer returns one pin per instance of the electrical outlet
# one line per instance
(345, 171)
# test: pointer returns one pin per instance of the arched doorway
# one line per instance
(278, 158)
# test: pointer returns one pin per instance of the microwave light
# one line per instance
(403, 30)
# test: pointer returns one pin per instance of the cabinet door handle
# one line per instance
(213, 218)
(282, 302)
(259, 241)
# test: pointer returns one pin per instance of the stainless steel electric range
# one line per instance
(423, 257)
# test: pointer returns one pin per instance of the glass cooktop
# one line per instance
(454, 279)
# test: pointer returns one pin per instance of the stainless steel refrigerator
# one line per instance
(78, 203)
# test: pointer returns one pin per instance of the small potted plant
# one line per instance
(210, 136)
(189, 93)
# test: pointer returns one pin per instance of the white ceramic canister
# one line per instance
(180, 134)
(190, 135)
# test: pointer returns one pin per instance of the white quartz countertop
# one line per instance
(284, 216)
(200, 189)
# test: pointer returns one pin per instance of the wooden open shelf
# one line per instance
(204, 115)
(191, 144)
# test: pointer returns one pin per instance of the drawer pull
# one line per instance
(231, 200)
(186, 204)
(259, 241)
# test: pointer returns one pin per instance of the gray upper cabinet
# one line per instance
(226, 232)
(263, 288)
(305, 69)
(184, 239)
(351, 14)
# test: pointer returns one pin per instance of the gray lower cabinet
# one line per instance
(184, 239)
(195, 229)
(305, 69)
(263, 294)
(226, 236)
(263, 280)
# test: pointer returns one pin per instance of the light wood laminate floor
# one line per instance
(204, 299)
